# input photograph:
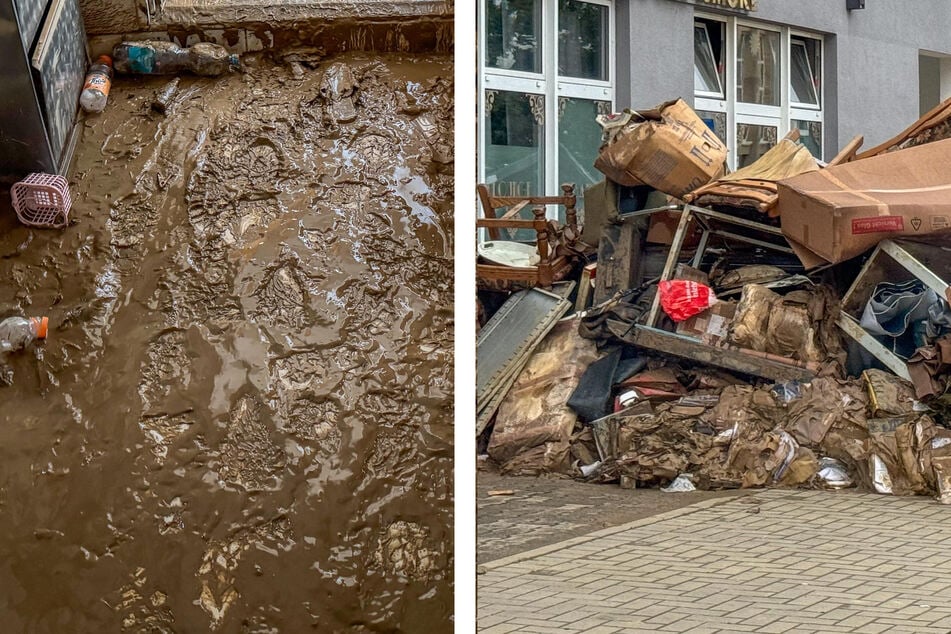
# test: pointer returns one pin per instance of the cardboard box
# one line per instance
(842, 211)
(712, 325)
(663, 225)
(669, 148)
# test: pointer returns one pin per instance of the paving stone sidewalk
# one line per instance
(775, 561)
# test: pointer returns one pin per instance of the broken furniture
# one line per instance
(714, 223)
(755, 186)
(894, 260)
(553, 244)
(733, 228)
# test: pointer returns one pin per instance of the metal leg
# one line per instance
(701, 248)
(672, 256)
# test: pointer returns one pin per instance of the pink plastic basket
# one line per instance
(42, 200)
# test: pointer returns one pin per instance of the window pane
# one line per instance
(706, 66)
(513, 35)
(582, 40)
(579, 137)
(757, 66)
(514, 144)
(804, 71)
(716, 121)
(810, 135)
(752, 141)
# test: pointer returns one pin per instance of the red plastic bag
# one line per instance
(682, 299)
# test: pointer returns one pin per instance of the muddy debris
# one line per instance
(242, 419)
(753, 338)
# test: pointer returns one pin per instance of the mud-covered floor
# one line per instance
(242, 418)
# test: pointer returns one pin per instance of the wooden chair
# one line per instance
(558, 246)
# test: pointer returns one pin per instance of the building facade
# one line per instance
(753, 69)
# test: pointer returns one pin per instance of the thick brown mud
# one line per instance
(242, 418)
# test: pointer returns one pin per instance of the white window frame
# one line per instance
(780, 116)
(548, 83)
(705, 93)
(796, 105)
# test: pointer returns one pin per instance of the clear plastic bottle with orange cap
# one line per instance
(18, 332)
(96, 89)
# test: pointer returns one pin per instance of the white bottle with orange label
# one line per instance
(96, 89)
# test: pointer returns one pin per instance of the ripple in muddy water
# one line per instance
(242, 418)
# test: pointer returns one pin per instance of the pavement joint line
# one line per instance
(613, 530)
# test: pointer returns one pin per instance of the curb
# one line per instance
(604, 532)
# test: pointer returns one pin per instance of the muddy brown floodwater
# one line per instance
(242, 418)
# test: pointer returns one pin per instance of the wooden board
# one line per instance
(584, 287)
(729, 358)
(619, 259)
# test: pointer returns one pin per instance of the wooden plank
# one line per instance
(747, 362)
(513, 210)
(584, 287)
(847, 153)
(499, 223)
(619, 259)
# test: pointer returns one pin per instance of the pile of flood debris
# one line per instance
(785, 324)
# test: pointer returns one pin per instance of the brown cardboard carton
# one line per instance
(663, 225)
(842, 211)
(712, 325)
(669, 148)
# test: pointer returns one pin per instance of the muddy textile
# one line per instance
(738, 436)
(242, 418)
(825, 402)
(930, 368)
(614, 320)
(656, 448)
(798, 325)
(888, 394)
(534, 424)
(900, 461)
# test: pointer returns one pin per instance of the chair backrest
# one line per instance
(515, 204)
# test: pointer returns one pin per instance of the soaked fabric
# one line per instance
(824, 402)
(929, 365)
(743, 404)
(750, 324)
(799, 325)
(242, 418)
(888, 394)
(898, 314)
(534, 424)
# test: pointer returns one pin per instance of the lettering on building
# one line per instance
(740, 5)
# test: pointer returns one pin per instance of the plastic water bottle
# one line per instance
(18, 332)
(96, 89)
(165, 58)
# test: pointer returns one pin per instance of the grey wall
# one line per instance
(871, 69)
(658, 35)
(929, 83)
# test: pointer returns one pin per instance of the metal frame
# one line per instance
(703, 216)
(500, 366)
(892, 361)
(851, 327)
